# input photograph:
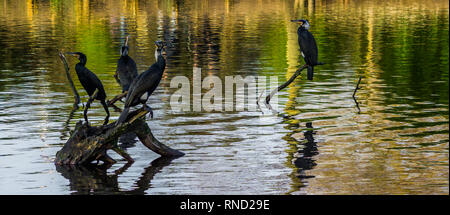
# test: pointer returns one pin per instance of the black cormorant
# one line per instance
(308, 46)
(144, 85)
(90, 83)
(126, 68)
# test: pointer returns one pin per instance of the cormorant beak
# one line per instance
(159, 44)
(298, 21)
(73, 54)
(126, 41)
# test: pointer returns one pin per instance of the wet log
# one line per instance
(89, 143)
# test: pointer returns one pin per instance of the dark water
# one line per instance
(397, 144)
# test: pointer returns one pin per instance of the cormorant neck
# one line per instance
(125, 57)
(160, 61)
(124, 51)
(79, 68)
(302, 28)
(82, 61)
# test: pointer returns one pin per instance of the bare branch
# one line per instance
(116, 98)
(74, 90)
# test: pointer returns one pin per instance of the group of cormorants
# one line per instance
(140, 87)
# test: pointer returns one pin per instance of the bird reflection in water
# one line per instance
(306, 161)
(93, 179)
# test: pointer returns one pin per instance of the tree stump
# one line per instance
(88, 144)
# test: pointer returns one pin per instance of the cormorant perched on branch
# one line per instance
(126, 68)
(90, 83)
(308, 46)
(144, 85)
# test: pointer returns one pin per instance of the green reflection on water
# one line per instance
(400, 48)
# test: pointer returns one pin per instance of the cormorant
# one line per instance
(90, 83)
(308, 46)
(126, 68)
(144, 85)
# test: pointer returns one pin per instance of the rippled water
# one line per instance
(320, 143)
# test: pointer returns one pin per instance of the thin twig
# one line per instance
(74, 90)
(354, 93)
(116, 98)
(357, 86)
(117, 109)
(88, 104)
(357, 104)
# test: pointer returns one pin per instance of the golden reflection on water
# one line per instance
(397, 145)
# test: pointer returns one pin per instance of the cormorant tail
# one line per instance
(123, 115)
(310, 72)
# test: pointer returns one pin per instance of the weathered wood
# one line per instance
(88, 143)
(116, 98)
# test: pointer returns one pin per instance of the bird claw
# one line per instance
(149, 109)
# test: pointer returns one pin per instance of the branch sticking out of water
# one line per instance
(281, 87)
(354, 93)
(285, 84)
(357, 86)
(74, 90)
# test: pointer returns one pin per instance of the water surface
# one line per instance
(397, 143)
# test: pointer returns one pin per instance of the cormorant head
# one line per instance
(302, 22)
(82, 57)
(159, 48)
(160, 45)
(124, 49)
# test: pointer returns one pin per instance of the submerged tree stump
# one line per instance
(88, 144)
